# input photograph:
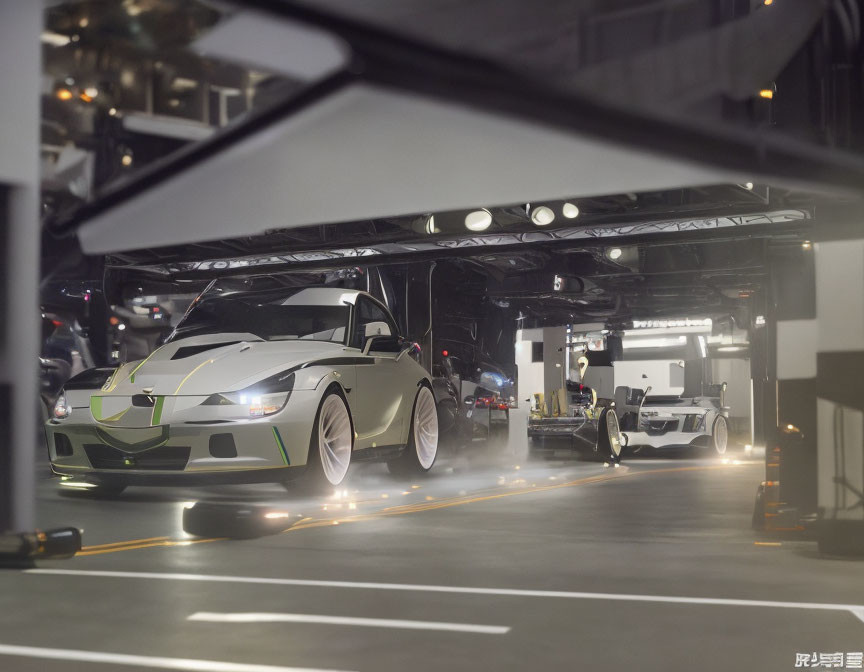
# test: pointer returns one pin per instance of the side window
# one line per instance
(367, 312)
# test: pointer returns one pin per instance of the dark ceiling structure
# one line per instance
(742, 85)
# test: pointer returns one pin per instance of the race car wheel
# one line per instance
(720, 435)
(332, 442)
(422, 449)
(609, 436)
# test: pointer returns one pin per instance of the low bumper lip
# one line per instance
(183, 478)
(669, 440)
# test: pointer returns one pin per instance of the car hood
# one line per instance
(203, 365)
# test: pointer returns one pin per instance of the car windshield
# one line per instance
(267, 317)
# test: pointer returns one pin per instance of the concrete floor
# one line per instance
(495, 521)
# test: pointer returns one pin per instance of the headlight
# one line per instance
(259, 404)
(62, 409)
(264, 398)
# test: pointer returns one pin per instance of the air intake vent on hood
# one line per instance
(189, 350)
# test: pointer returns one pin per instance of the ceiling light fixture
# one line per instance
(806, 245)
(478, 220)
(615, 253)
(542, 215)
(430, 225)
(570, 210)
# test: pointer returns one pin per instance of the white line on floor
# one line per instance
(184, 664)
(211, 617)
(855, 609)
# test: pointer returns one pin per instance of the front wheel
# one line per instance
(609, 436)
(719, 435)
(331, 443)
(422, 449)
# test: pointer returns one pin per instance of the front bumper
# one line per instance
(669, 440)
(254, 450)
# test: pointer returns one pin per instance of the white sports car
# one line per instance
(257, 386)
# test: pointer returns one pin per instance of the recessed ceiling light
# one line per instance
(479, 220)
(615, 253)
(430, 224)
(542, 215)
(570, 210)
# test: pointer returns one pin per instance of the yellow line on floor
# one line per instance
(123, 543)
(154, 544)
(307, 523)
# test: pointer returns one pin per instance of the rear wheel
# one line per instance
(719, 435)
(422, 449)
(331, 443)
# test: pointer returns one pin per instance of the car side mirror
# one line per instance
(391, 344)
(376, 329)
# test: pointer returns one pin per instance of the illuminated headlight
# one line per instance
(259, 404)
(264, 398)
(62, 409)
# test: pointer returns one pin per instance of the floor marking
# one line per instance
(134, 546)
(137, 544)
(210, 617)
(856, 610)
(123, 543)
(186, 664)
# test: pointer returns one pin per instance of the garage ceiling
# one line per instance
(437, 121)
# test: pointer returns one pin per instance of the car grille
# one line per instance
(163, 458)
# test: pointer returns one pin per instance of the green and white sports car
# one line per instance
(258, 386)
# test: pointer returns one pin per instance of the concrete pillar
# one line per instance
(554, 342)
(20, 72)
(839, 364)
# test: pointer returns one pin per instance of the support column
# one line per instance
(784, 338)
(20, 26)
(840, 387)
(554, 342)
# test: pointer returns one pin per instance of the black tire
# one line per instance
(314, 480)
(408, 462)
(609, 444)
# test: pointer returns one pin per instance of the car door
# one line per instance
(378, 399)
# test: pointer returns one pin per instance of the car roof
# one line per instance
(323, 296)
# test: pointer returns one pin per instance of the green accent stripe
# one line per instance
(157, 411)
(281, 446)
(96, 407)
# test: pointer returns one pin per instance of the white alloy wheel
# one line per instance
(720, 435)
(613, 432)
(334, 438)
(425, 424)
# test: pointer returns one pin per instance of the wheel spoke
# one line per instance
(334, 439)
